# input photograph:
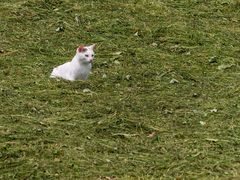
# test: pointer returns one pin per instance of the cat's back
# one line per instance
(61, 70)
(64, 66)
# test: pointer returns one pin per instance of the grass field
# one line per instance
(162, 101)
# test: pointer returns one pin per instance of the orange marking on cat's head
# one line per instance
(81, 49)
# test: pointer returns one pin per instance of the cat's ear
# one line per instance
(81, 49)
(92, 46)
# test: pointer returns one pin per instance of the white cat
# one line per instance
(79, 67)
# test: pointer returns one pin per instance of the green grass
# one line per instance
(54, 130)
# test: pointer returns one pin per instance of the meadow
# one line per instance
(162, 101)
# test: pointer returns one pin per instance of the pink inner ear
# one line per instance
(81, 48)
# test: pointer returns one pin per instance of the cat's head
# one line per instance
(86, 53)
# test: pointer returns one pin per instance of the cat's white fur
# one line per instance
(79, 67)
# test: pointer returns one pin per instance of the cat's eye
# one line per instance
(86, 55)
(93, 55)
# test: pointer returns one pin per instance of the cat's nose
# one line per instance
(90, 60)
